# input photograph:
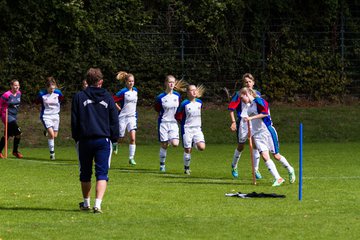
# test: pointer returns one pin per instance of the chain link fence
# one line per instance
(196, 59)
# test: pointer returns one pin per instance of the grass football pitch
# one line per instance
(39, 198)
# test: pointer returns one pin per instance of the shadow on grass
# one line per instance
(207, 180)
(135, 170)
(181, 176)
(215, 183)
(46, 160)
(37, 209)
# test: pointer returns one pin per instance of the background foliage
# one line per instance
(294, 48)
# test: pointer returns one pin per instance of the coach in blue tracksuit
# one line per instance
(94, 126)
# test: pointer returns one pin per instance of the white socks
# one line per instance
(162, 155)
(132, 148)
(51, 143)
(187, 158)
(98, 203)
(272, 168)
(256, 156)
(86, 202)
(286, 164)
(236, 158)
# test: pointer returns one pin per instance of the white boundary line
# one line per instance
(43, 161)
(338, 177)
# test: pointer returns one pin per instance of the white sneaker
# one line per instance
(52, 156)
(292, 176)
(278, 182)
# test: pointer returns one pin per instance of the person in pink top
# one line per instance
(11, 100)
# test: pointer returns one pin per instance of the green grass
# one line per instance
(39, 197)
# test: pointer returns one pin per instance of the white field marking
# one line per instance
(337, 177)
(43, 161)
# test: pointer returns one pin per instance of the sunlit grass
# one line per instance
(39, 197)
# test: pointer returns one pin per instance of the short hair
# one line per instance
(170, 77)
(93, 76)
(248, 75)
(13, 81)
(50, 80)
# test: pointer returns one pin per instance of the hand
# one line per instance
(233, 126)
(246, 119)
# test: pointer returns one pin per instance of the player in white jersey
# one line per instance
(249, 82)
(189, 115)
(50, 99)
(126, 101)
(166, 105)
(264, 134)
(241, 127)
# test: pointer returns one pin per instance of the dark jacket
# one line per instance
(94, 115)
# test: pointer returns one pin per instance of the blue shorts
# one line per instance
(98, 151)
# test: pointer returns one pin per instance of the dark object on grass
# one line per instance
(255, 195)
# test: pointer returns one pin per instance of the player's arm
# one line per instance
(179, 113)
(118, 107)
(114, 121)
(118, 97)
(235, 101)
(74, 119)
(61, 96)
(157, 104)
(233, 121)
(38, 99)
(257, 116)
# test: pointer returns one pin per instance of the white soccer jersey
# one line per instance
(259, 125)
(191, 113)
(167, 105)
(128, 101)
(50, 102)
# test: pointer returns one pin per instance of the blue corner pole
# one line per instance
(300, 159)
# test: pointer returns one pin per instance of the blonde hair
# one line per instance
(249, 91)
(123, 76)
(200, 90)
(180, 85)
(248, 75)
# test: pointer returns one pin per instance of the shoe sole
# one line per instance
(279, 184)
(97, 211)
(292, 181)
(82, 208)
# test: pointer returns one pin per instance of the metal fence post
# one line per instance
(182, 54)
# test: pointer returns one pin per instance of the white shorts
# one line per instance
(168, 131)
(267, 141)
(242, 131)
(51, 121)
(127, 123)
(192, 135)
